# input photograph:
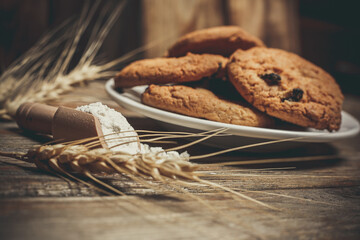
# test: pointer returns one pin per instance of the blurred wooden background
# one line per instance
(323, 31)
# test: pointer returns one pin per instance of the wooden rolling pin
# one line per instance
(62, 123)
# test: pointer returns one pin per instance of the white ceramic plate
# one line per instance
(130, 99)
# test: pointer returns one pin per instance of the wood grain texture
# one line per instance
(322, 203)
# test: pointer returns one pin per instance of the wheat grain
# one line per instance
(76, 157)
(82, 160)
(79, 157)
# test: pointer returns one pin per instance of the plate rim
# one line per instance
(238, 130)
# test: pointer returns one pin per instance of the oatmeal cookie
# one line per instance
(288, 87)
(191, 67)
(202, 103)
(222, 40)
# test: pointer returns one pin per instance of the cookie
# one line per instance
(288, 87)
(222, 40)
(202, 103)
(191, 67)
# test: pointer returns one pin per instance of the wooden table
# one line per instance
(317, 199)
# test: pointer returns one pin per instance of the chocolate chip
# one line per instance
(271, 78)
(295, 95)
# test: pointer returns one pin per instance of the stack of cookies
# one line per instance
(225, 74)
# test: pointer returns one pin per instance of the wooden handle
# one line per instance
(63, 123)
(35, 117)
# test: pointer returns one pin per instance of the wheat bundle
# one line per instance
(81, 158)
(49, 68)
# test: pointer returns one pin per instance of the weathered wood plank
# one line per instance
(119, 217)
(318, 199)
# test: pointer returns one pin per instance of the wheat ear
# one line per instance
(77, 158)
(43, 73)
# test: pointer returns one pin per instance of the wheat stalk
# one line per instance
(79, 157)
(44, 72)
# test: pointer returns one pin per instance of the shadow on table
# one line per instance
(306, 156)
(40, 138)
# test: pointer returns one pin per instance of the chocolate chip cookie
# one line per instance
(288, 87)
(191, 67)
(222, 40)
(202, 103)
